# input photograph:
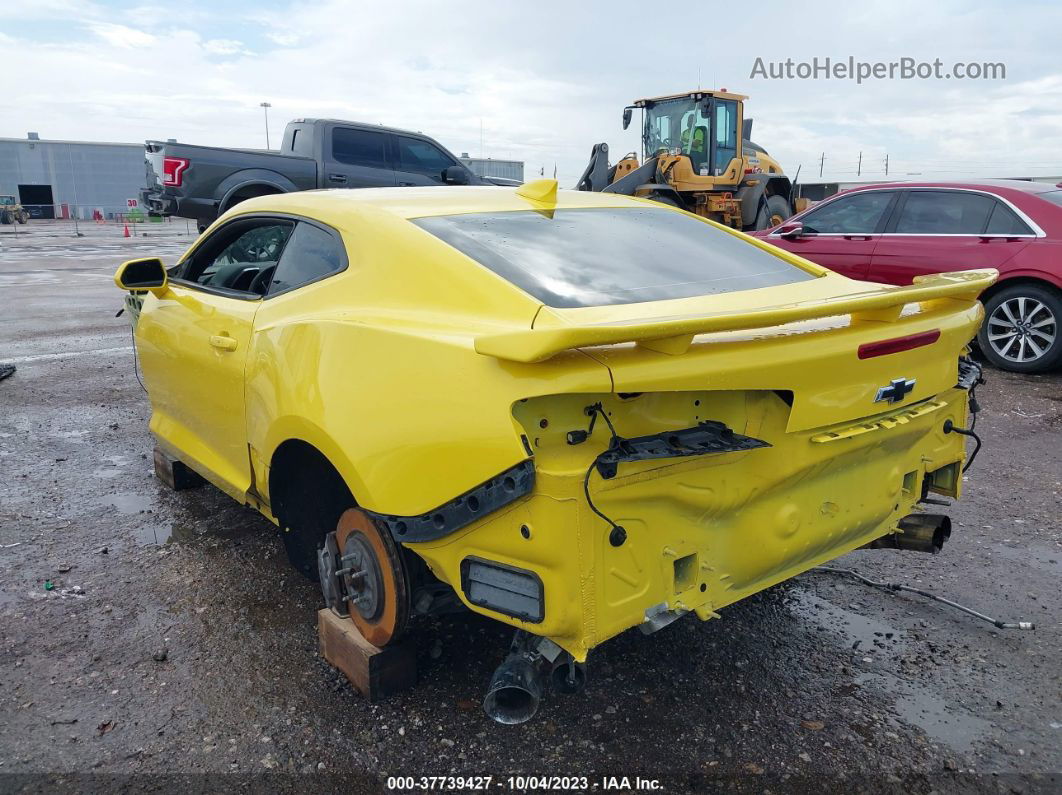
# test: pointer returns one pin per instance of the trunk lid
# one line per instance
(833, 355)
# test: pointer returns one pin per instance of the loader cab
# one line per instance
(702, 126)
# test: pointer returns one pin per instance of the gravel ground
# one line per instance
(177, 650)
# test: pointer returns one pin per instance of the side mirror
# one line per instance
(456, 175)
(142, 274)
(627, 117)
(791, 231)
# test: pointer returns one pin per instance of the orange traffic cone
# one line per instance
(126, 232)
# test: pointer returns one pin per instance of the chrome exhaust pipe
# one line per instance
(515, 689)
(918, 532)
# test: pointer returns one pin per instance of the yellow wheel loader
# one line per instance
(695, 159)
(12, 211)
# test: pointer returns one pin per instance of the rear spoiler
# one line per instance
(675, 334)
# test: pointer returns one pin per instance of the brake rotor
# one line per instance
(372, 577)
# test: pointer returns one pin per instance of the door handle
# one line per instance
(223, 342)
(337, 178)
(405, 184)
(858, 237)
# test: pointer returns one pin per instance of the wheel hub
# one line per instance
(360, 576)
(1022, 329)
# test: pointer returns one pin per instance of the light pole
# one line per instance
(265, 109)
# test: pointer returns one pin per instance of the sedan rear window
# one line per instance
(1053, 196)
(601, 256)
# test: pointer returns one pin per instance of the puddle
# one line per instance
(1038, 557)
(912, 703)
(116, 462)
(157, 535)
(951, 726)
(857, 631)
(153, 536)
(126, 503)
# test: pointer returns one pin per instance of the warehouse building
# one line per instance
(56, 179)
(489, 167)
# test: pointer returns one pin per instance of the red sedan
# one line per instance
(893, 232)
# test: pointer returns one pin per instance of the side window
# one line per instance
(421, 157)
(725, 134)
(939, 212)
(236, 255)
(311, 254)
(856, 214)
(360, 147)
(1003, 221)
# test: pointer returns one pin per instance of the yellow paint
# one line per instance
(415, 372)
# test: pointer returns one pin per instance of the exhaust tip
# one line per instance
(515, 691)
(510, 705)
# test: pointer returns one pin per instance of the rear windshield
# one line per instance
(601, 256)
(1054, 196)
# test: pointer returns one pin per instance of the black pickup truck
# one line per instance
(201, 182)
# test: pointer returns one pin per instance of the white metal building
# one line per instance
(489, 167)
(56, 179)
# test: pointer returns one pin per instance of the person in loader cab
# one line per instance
(694, 144)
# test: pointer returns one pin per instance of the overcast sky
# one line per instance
(546, 80)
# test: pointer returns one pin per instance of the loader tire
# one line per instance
(772, 212)
(664, 198)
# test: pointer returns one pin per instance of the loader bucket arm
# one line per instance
(596, 176)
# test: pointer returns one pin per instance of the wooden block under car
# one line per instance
(375, 673)
(175, 474)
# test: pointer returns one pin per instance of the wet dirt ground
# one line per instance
(158, 640)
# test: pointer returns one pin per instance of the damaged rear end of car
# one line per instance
(749, 435)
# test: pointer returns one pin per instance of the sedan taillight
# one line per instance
(173, 171)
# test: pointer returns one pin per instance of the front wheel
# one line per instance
(1021, 329)
(772, 212)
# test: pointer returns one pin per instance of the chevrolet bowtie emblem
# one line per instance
(896, 391)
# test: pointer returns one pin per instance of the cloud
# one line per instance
(122, 36)
(544, 82)
(225, 47)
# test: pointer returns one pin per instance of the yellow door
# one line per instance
(193, 349)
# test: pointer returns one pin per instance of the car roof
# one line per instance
(365, 125)
(419, 202)
(1025, 186)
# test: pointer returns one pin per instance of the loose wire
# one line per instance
(894, 586)
(594, 411)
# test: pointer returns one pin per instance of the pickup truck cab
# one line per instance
(202, 182)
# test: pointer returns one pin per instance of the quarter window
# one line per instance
(359, 147)
(311, 254)
(1003, 221)
(855, 214)
(934, 212)
(420, 157)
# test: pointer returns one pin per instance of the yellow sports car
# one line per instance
(575, 413)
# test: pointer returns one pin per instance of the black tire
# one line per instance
(1032, 343)
(5, 217)
(23, 217)
(772, 212)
